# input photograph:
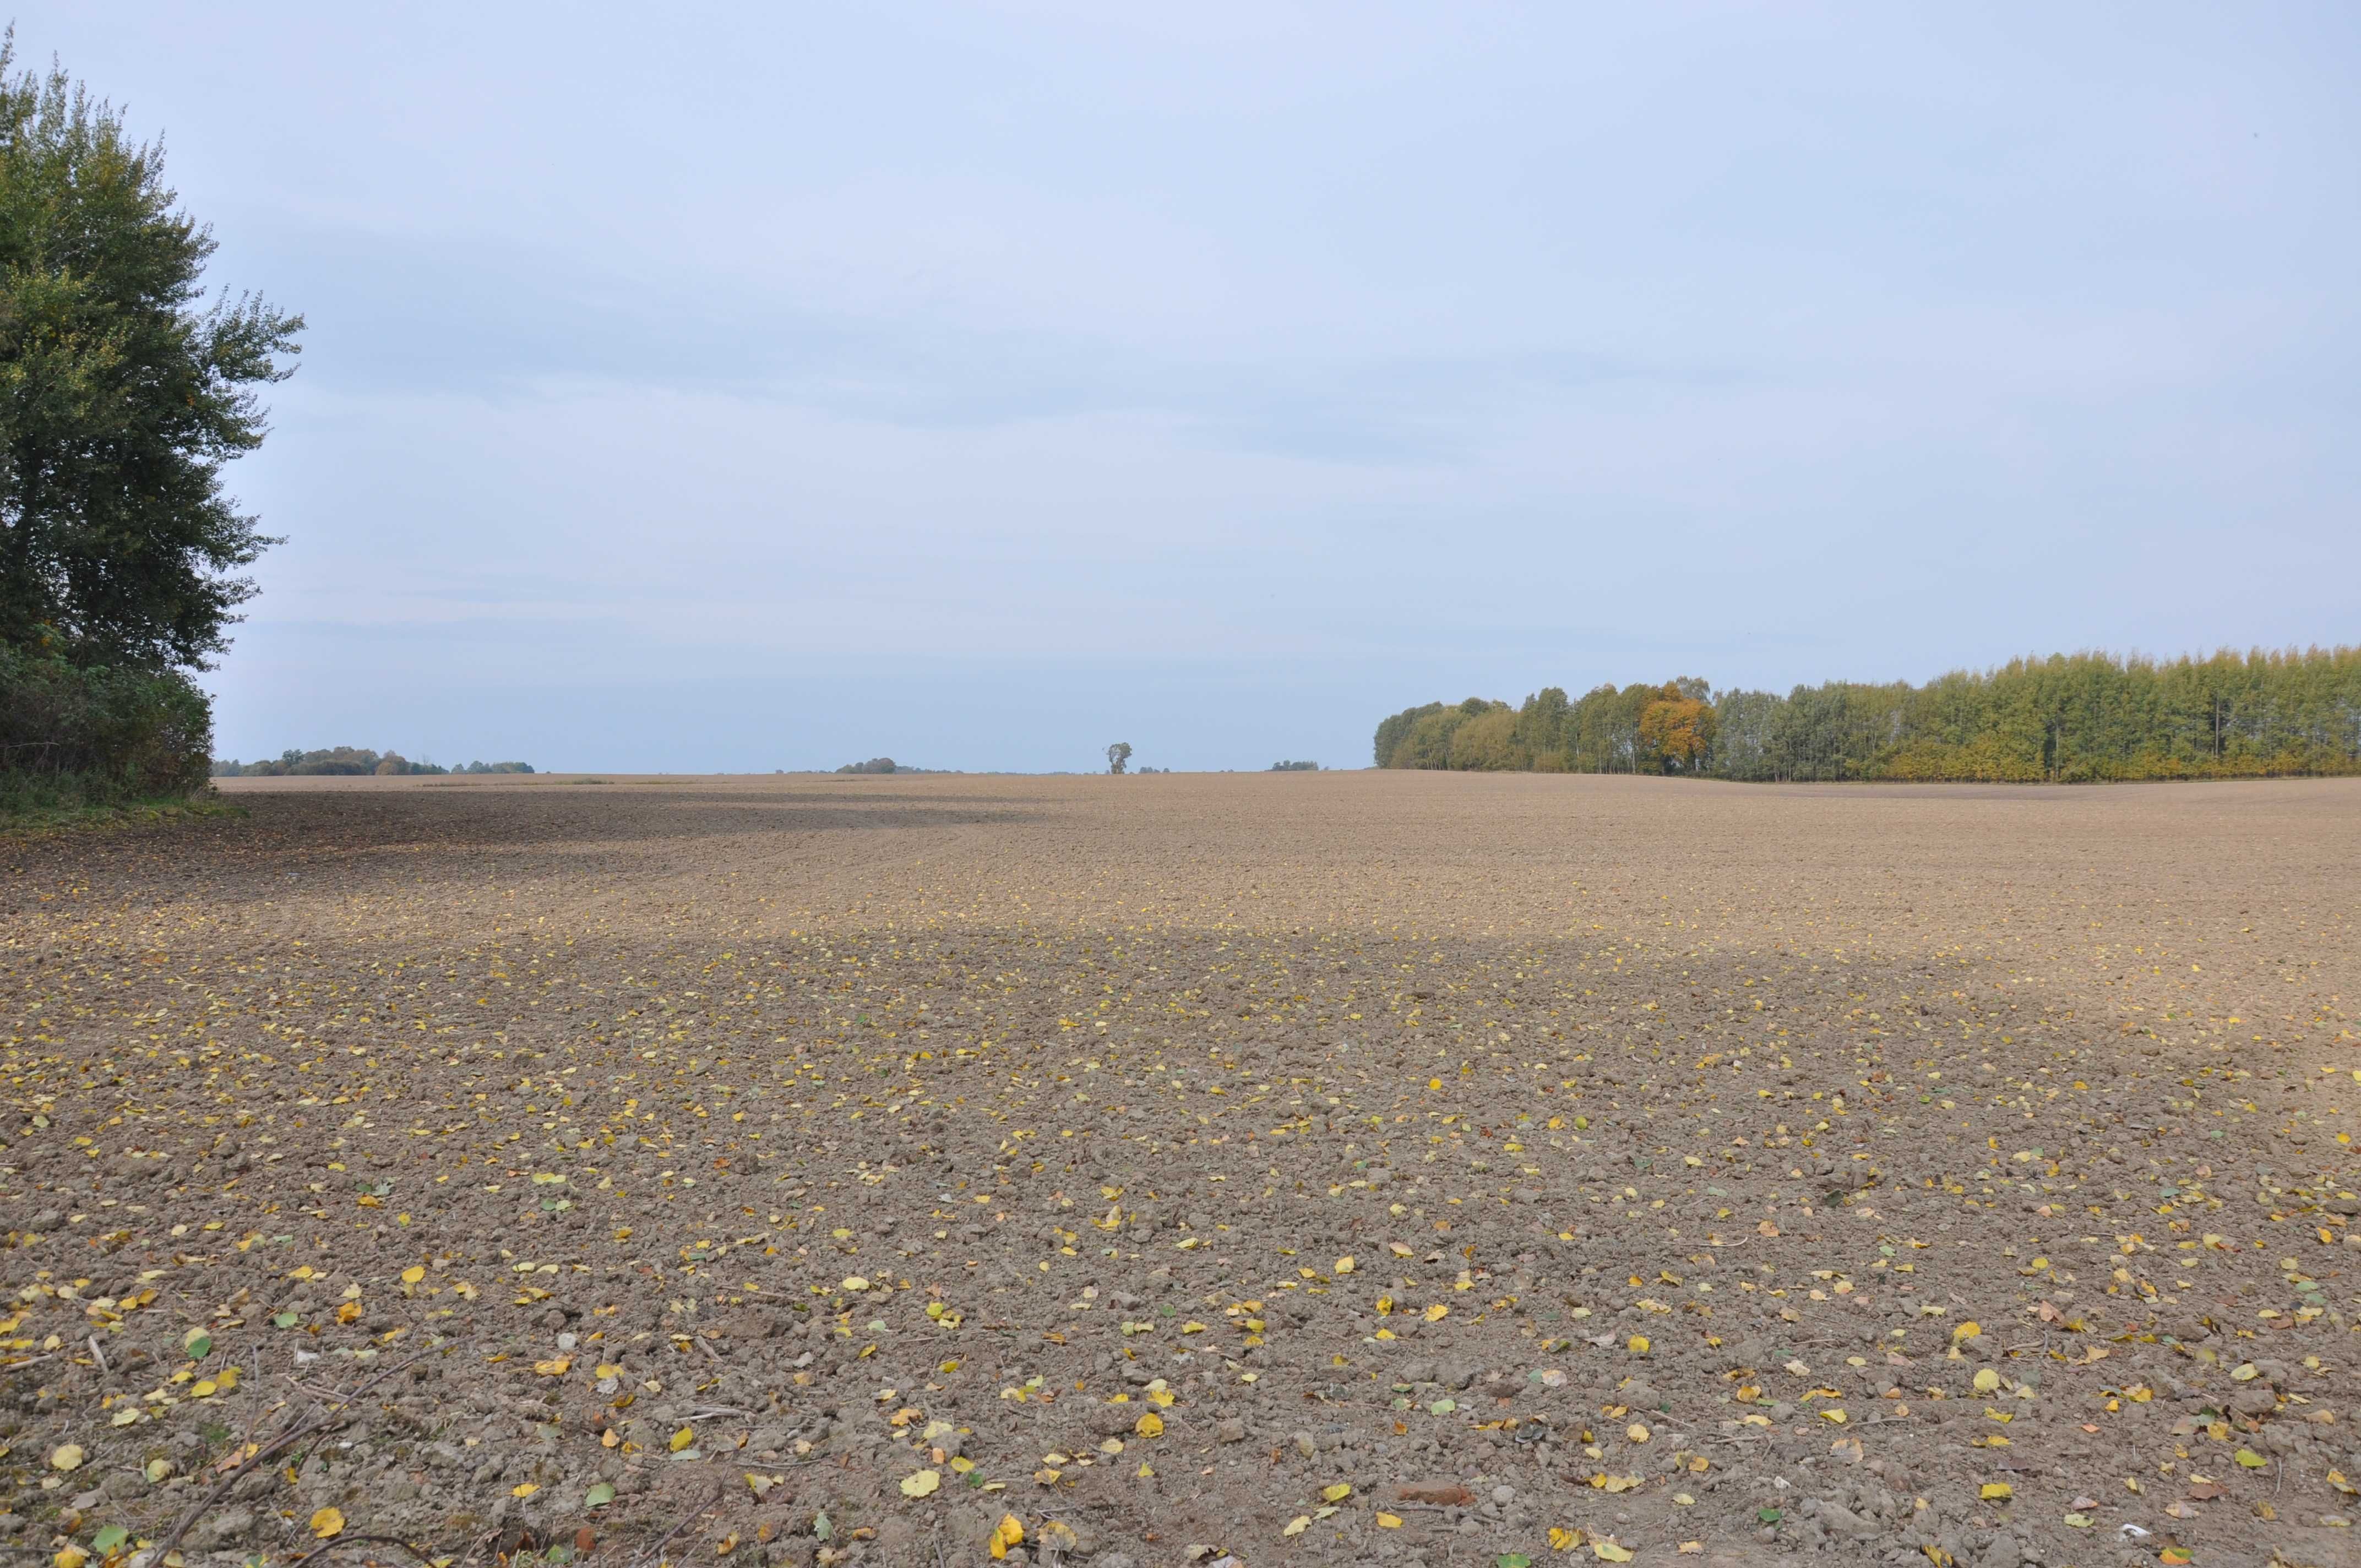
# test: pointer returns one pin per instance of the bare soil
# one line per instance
(1312, 1168)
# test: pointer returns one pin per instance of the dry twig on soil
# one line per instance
(258, 1460)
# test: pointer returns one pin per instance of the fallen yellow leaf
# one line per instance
(327, 1524)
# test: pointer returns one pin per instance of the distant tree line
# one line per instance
(887, 765)
(1294, 767)
(2078, 717)
(350, 760)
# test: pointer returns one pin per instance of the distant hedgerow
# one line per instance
(2079, 718)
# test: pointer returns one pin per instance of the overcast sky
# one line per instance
(737, 388)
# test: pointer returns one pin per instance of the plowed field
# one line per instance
(1314, 1167)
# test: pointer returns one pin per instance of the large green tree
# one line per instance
(123, 391)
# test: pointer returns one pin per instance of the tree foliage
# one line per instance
(1678, 728)
(72, 736)
(121, 392)
(2069, 717)
(1118, 756)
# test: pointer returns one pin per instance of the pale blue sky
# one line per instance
(743, 387)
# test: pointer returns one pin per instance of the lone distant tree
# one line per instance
(1118, 756)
